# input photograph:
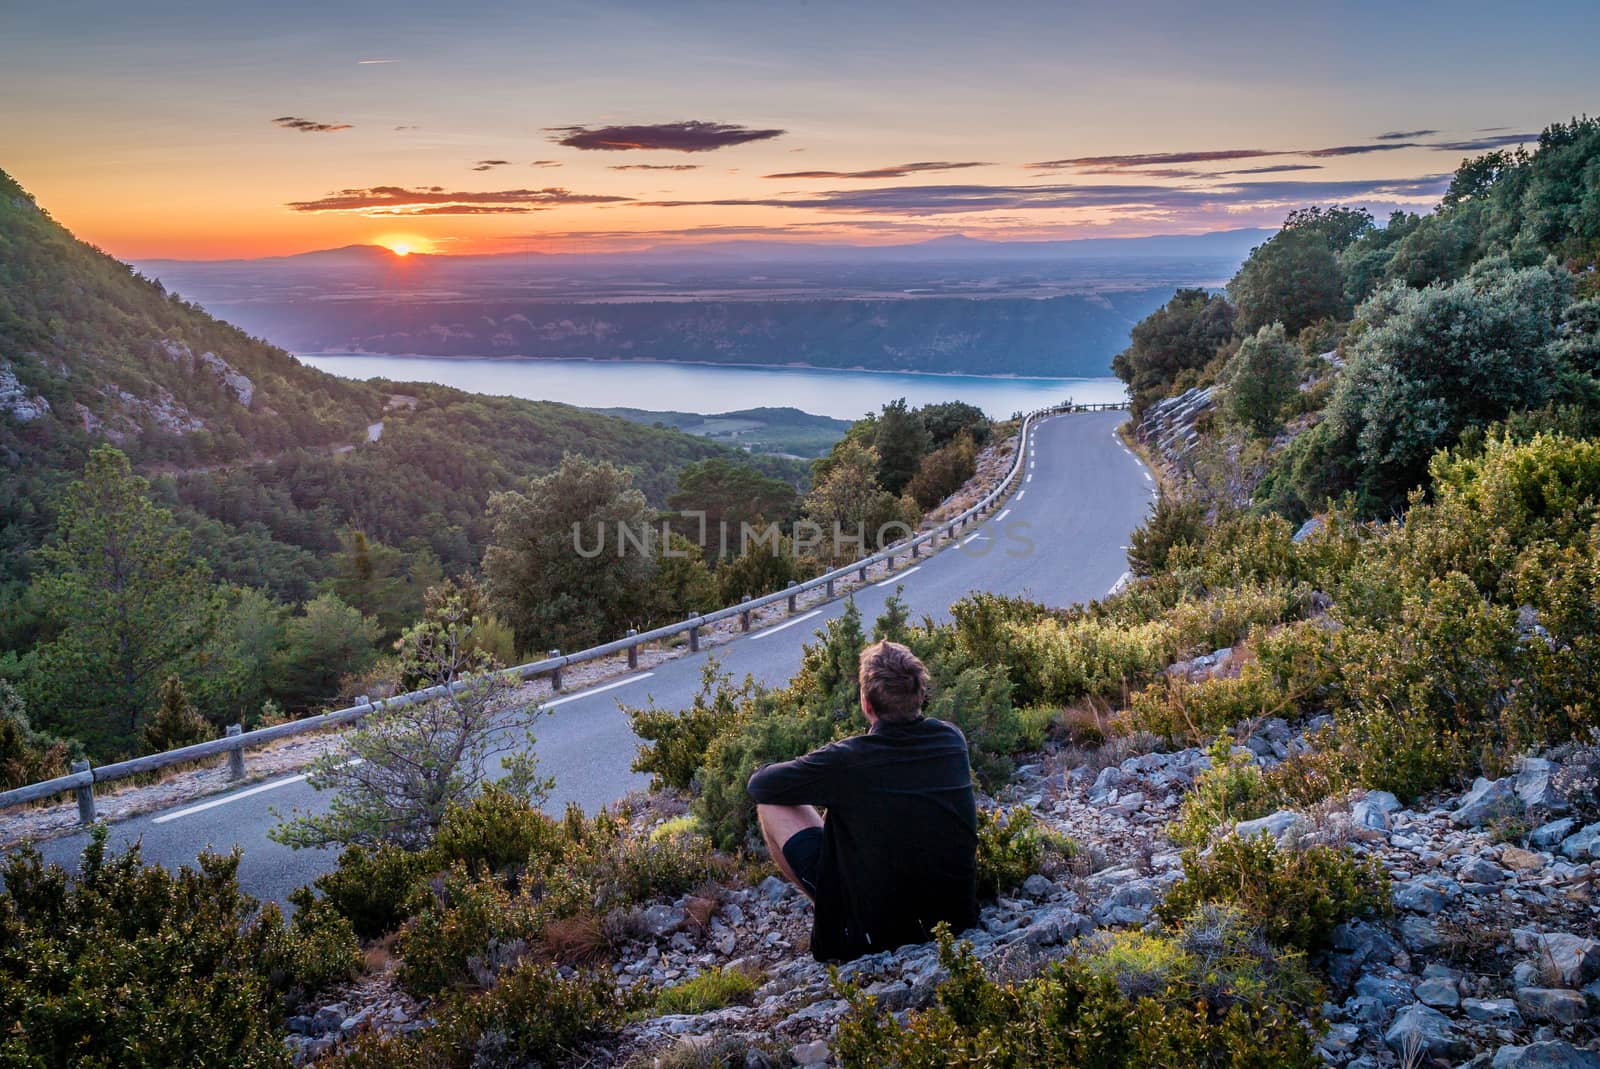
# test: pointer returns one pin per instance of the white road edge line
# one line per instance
(1021, 494)
(1029, 478)
(1147, 476)
(595, 690)
(1122, 580)
(973, 538)
(898, 576)
(1002, 515)
(787, 623)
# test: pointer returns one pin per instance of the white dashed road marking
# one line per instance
(234, 797)
(596, 690)
(897, 576)
(786, 623)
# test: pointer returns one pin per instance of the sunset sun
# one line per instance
(403, 244)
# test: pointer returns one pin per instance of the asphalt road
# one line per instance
(1060, 539)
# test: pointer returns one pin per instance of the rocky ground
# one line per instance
(1491, 958)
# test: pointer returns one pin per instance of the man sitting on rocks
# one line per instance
(898, 850)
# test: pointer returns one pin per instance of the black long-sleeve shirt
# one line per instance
(900, 839)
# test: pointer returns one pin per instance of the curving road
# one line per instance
(1060, 538)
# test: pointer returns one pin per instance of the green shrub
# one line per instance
(983, 624)
(452, 940)
(1173, 522)
(662, 866)
(1186, 713)
(978, 701)
(1013, 846)
(312, 953)
(496, 831)
(1036, 724)
(127, 964)
(1418, 700)
(26, 756)
(1231, 790)
(1296, 897)
(531, 1017)
(675, 743)
(1065, 662)
(1215, 955)
(711, 990)
(371, 887)
(1071, 1016)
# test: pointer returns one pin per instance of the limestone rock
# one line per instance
(1574, 960)
(1487, 800)
(1418, 1027)
(1549, 1055)
(1558, 1004)
(1584, 846)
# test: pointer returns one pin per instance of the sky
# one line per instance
(222, 129)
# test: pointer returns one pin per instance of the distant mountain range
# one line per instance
(953, 304)
(953, 248)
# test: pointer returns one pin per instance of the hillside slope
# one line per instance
(265, 457)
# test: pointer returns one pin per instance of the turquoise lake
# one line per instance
(710, 388)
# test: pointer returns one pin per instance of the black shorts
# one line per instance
(803, 852)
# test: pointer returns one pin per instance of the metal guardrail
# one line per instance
(83, 777)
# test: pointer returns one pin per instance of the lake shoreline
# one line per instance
(702, 387)
(653, 362)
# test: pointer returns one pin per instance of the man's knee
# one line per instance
(780, 822)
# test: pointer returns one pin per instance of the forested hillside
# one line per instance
(1344, 355)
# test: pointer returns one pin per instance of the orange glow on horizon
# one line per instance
(404, 245)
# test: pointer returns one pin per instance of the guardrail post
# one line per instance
(863, 573)
(794, 603)
(744, 620)
(916, 549)
(85, 795)
(236, 755)
(555, 676)
(694, 638)
(633, 650)
(830, 588)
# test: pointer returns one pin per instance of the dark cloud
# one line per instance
(489, 165)
(901, 171)
(309, 126)
(436, 200)
(1276, 168)
(1404, 135)
(1150, 164)
(545, 163)
(1479, 144)
(472, 209)
(654, 167)
(691, 136)
(948, 199)
(408, 127)
(1152, 159)
(1356, 150)
(1182, 172)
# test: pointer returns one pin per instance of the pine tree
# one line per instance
(128, 603)
(175, 722)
